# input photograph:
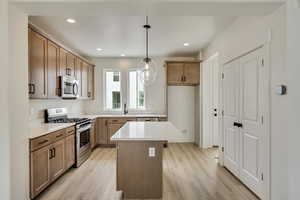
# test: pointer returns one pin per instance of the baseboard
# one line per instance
(180, 140)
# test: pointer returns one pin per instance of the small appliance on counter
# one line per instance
(69, 87)
(83, 127)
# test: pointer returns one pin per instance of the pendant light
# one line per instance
(147, 68)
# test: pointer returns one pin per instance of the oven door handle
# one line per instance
(84, 128)
(75, 89)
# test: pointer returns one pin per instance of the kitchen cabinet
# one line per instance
(91, 81)
(112, 128)
(37, 45)
(48, 61)
(93, 137)
(53, 70)
(70, 64)
(78, 64)
(40, 170)
(183, 73)
(50, 156)
(70, 151)
(57, 160)
(84, 80)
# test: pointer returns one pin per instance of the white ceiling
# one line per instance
(118, 35)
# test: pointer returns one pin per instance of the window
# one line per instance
(136, 93)
(112, 90)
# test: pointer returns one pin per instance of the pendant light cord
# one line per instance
(147, 26)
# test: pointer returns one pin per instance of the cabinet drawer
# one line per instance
(148, 119)
(40, 142)
(116, 121)
(70, 130)
(58, 135)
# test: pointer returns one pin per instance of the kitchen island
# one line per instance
(140, 157)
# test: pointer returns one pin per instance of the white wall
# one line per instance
(293, 68)
(155, 93)
(18, 103)
(182, 110)
(245, 34)
(4, 106)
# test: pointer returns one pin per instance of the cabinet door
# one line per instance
(84, 80)
(69, 151)
(62, 62)
(91, 81)
(53, 69)
(174, 73)
(39, 170)
(57, 162)
(78, 64)
(37, 65)
(101, 131)
(70, 64)
(112, 129)
(191, 73)
(93, 135)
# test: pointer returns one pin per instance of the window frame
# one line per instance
(104, 90)
(128, 92)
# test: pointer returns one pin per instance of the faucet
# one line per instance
(125, 109)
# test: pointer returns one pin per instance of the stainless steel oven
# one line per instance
(83, 145)
(69, 87)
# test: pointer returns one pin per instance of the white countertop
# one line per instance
(154, 131)
(94, 116)
(41, 129)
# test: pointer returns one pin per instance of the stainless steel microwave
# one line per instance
(69, 87)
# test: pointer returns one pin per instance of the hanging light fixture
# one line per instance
(147, 68)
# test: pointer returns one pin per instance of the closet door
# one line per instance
(250, 117)
(231, 115)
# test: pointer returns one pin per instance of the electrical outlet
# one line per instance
(151, 152)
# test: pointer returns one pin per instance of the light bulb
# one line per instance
(146, 66)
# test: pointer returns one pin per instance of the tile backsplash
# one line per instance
(37, 107)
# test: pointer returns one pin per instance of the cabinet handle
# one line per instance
(60, 135)
(43, 142)
(184, 78)
(54, 152)
(181, 78)
(50, 155)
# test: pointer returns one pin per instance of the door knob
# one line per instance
(237, 124)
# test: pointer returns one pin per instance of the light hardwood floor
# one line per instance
(189, 174)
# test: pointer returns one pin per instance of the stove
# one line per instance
(83, 127)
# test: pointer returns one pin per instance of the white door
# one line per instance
(231, 115)
(210, 82)
(242, 120)
(250, 117)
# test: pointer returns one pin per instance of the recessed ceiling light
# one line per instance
(99, 49)
(72, 21)
(186, 44)
(122, 54)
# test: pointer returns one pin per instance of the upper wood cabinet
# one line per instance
(37, 65)
(53, 69)
(91, 72)
(183, 73)
(84, 79)
(48, 61)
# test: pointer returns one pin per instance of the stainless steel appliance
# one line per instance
(69, 87)
(83, 127)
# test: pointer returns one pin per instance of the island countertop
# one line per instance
(149, 131)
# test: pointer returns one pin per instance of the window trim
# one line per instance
(104, 90)
(128, 92)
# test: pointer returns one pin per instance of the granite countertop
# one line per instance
(41, 129)
(145, 131)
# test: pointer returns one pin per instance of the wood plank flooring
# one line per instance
(189, 174)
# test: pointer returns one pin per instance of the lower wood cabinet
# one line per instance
(107, 127)
(69, 151)
(93, 136)
(51, 155)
